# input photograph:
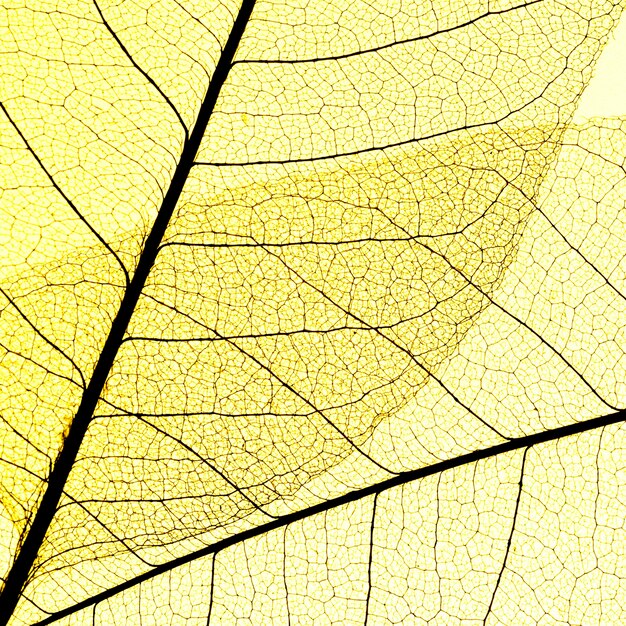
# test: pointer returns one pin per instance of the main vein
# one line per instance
(21, 568)
(403, 478)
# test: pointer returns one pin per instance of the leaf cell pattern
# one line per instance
(311, 313)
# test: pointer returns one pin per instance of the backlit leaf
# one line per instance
(311, 314)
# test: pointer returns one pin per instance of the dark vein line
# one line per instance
(60, 191)
(595, 503)
(286, 385)
(159, 500)
(492, 300)
(40, 366)
(349, 153)
(22, 469)
(394, 343)
(580, 254)
(40, 334)
(552, 349)
(392, 44)
(142, 71)
(285, 575)
(95, 517)
(22, 565)
(403, 478)
(334, 407)
(123, 413)
(370, 560)
(287, 333)
(213, 564)
(37, 607)
(395, 144)
(508, 545)
(529, 328)
(318, 411)
(208, 463)
(312, 242)
(436, 541)
(198, 21)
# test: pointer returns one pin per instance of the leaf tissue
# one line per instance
(312, 312)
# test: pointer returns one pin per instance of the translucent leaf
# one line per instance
(311, 313)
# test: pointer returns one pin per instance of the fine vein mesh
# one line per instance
(394, 248)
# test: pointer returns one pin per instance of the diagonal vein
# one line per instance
(21, 567)
(520, 443)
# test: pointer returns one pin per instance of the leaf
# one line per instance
(311, 314)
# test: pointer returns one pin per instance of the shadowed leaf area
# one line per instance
(311, 313)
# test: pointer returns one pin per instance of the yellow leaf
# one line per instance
(311, 313)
